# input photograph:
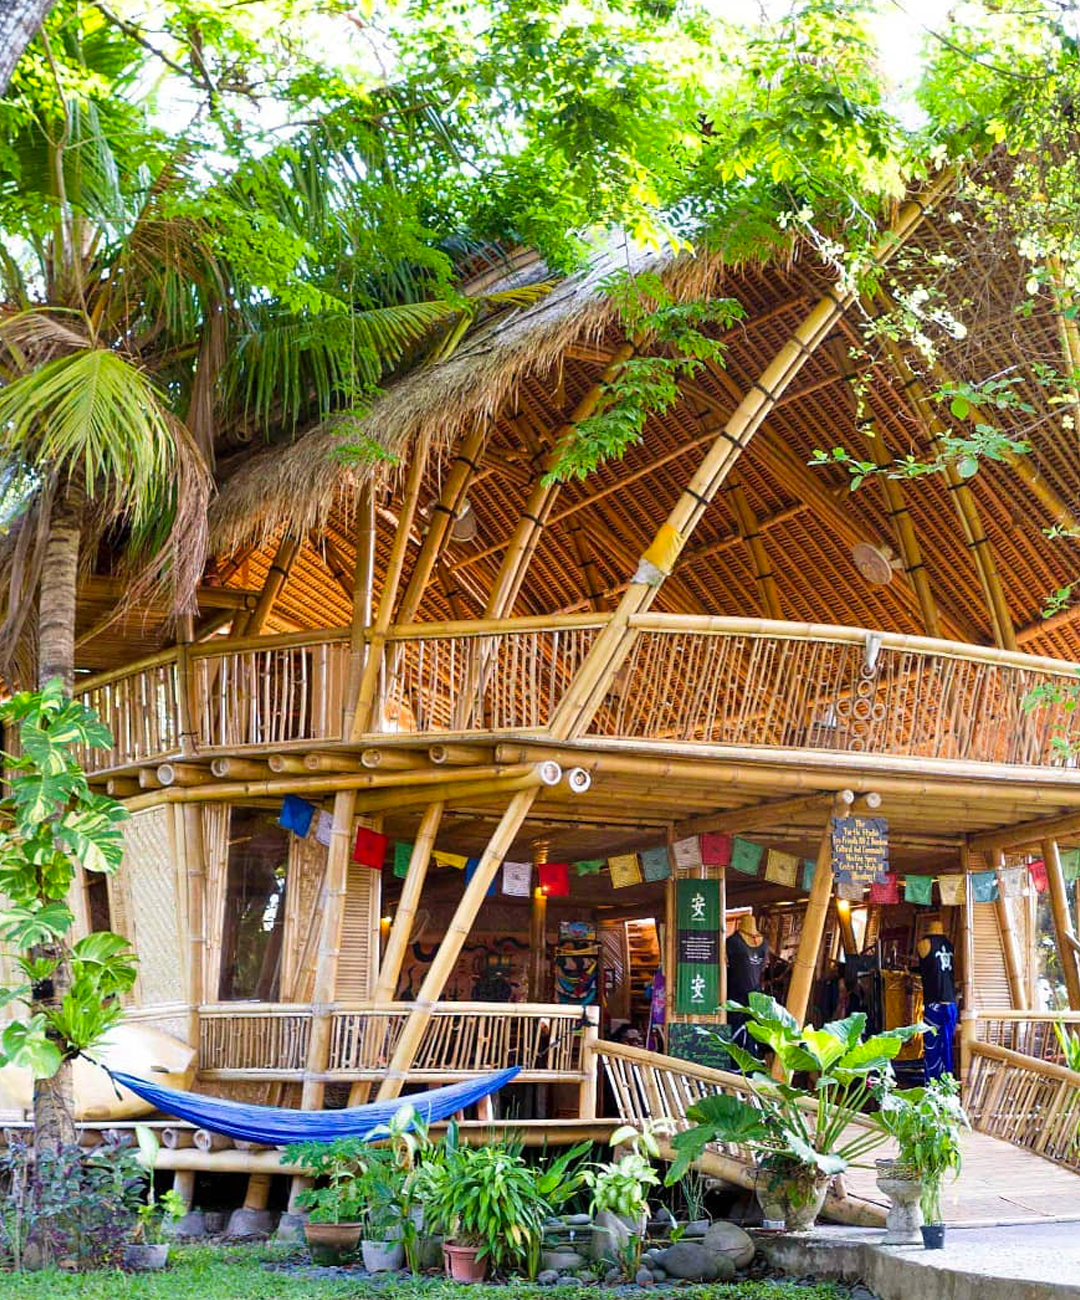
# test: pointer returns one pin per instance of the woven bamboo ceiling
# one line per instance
(521, 375)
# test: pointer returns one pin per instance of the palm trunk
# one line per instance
(19, 24)
(54, 1099)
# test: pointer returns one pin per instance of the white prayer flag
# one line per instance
(688, 853)
(324, 823)
(517, 879)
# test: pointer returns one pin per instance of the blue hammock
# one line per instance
(277, 1126)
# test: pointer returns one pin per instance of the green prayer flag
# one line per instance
(655, 864)
(984, 886)
(809, 866)
(402, 857)
(746, 856)
(919, 890)
(590, 867)
(1070, 864)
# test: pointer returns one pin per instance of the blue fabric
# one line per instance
(471, 865)
(937, 1047)
(277, 1126)
(296, 815)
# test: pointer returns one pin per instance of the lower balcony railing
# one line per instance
(710, 681)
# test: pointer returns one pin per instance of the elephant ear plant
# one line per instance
(801, 1136)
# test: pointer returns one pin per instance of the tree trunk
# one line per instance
(19, 24)
(54, 1099)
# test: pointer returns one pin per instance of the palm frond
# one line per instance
(31, 338)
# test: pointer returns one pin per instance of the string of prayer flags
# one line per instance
(402, 858)
(590, 867)
(624, 870)
(554, 878)
(809, 866)
(656, 864)
(1037, 871)
(1011, 882)
(456, 860)
(1070, 864)
(919, 890)
(781, 868)
(370, 848)
(984, 886)
(296, 815)
(470, 871)
(517, 879)
(324, 825)
(885, 891)
(716, 850)
(746, 856)
(953, 891)
(687, 854)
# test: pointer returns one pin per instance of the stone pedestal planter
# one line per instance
(900, 1184)
(146, 1259)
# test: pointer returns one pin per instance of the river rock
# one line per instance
(576, 1220)
(698, 1228)
(549, 1277)
(562, 1261)
(728, 1239)
(643, 1277)
(692, 1262)
(658, 1275)
(612, 1276)
(610, 1236)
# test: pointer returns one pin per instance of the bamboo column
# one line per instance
(195, 860)
(968, 1013)
(755, 544)
(450, 949)
(586, 559)
(526, 535)
(817, 911)
(1066, 939)
(538, 929)
(463, 470)
(609, 650)
(276, 577)
(966, 506)
(363, 586)
(412, 888)
(1010, 948)
(363, 714)
(906, 537)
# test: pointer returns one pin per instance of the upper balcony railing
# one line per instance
(696, 680)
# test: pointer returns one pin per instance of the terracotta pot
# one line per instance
(796, 1199)
(462, 1264)
(328, 1242)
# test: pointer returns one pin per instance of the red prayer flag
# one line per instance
(554, 878)
(716, 850)
(370, 848)
(888, 891)
(1037, 871)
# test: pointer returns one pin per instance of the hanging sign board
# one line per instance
(697, 950)
(860, 850)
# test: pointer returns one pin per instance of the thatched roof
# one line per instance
(301, 483)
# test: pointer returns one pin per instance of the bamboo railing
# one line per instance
(1030, 1103)
(269, 1041)
(1029, 1033)
(693, 679)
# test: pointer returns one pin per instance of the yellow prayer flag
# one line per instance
(454, 860)
(625, 870)
(781, 868)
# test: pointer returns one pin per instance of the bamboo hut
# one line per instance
(501, 718)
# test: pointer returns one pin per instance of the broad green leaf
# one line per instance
(25, 1045)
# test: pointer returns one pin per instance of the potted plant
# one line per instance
(381, 1186)
(620, 1188)
(926, 1124)
(335, 1209)
(148, 1251)
(802, 1137)
(486, 1202)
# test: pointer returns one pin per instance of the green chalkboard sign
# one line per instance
(697, 947)
(701, 1044)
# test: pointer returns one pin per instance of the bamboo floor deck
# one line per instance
(999, 1184)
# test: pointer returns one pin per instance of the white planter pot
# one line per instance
(382, 1256)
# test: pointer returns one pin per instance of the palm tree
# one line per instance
(19, 24)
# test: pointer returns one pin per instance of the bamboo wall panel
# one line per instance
(270, 1040)
(216, 839)
(358, 956)
(272, 696)
(815, 693)
(121, 909)
(158, 936)
(307, 869)
(501, 682)
(991, 976)
(142, 710)
(1026, 1102)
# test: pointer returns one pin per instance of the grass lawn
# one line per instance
(242, 1273)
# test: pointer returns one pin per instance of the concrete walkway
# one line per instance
(1039, 1261)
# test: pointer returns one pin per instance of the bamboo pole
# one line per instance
(450, 949)
(531, 779)
(586, 562)
(817, 910)
(750, 532)
(896, 507)
(1014, 967)
(1038, 831)
(463, 469)
(392, 760)
(363, 587)
(182, 773)
(526, 535)
(969, 1012)
(771, 813)
(276, 577)
(195, 863)
(326, 961)
(364, 712)
(411, 891)
(460, 755)
(1066, 939)
(537, 928)
(608, 653)
(240, 768)
(966, 506)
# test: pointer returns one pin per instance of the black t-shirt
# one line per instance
(746, 965)
(936, 969)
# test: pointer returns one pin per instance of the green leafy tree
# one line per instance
(53, 824)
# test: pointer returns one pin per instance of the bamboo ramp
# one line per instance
(1001, 1183)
